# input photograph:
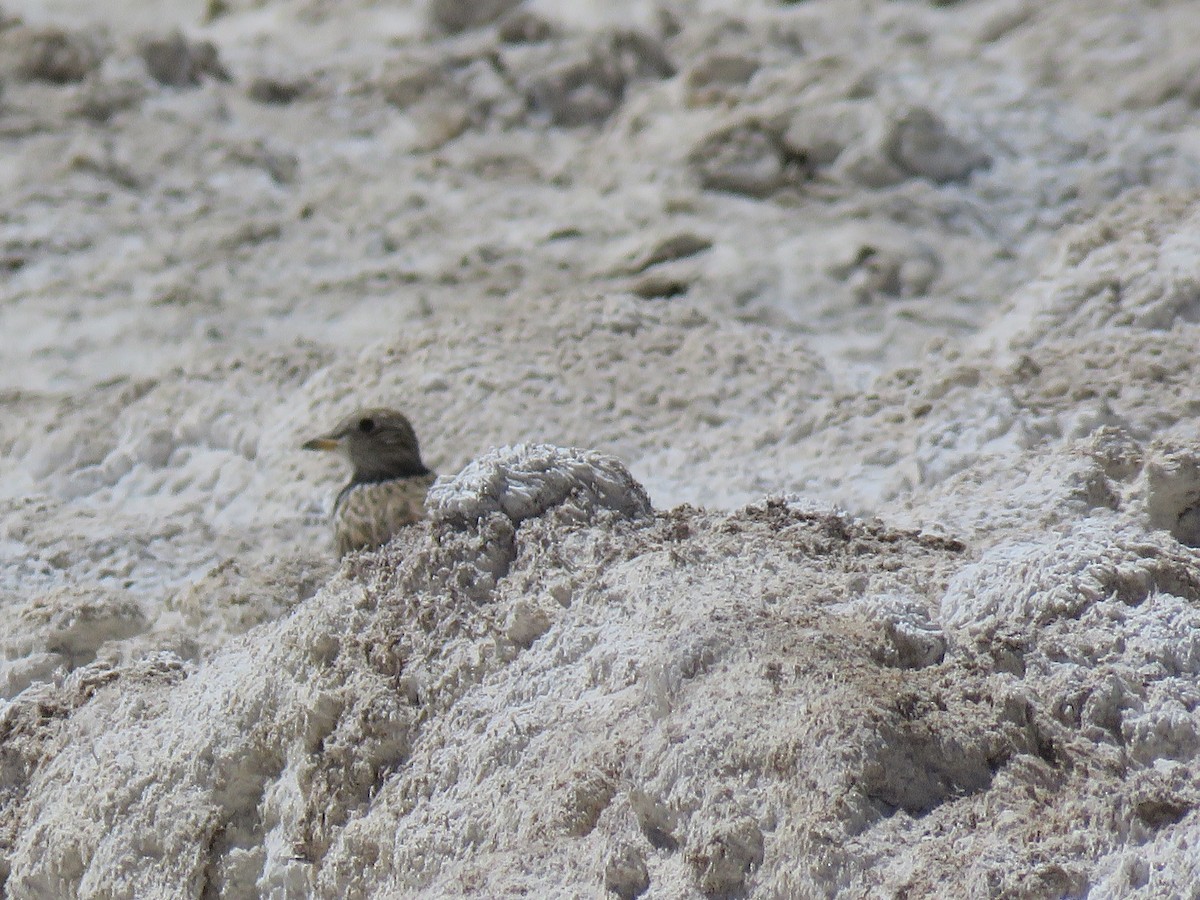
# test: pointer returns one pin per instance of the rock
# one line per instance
(454, 16)
(580, 91)
(523, 26)
(877, 264)
(680, 245)
(663, 284)
(1171, 490)
(715, 75)
(58, 56)
(625, 872)
(746, 158)
(175, 61)
(724, 855)
(920, 144)
(574, 83)
(278, 91)
(408, 80)
(821, 134)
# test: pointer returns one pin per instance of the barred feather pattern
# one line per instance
(365, 516)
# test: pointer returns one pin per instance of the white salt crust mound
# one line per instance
(923, 274)
(525, 481)
(590, 716)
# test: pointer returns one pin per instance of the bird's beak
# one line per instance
(322, 443)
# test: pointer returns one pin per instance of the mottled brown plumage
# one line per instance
(388, 481)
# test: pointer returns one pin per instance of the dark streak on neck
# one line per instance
(367, 478)
(408, 470)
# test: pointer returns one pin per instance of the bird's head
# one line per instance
(379, 443)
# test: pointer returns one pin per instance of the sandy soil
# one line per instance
(874, 574)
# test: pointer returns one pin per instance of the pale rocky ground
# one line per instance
(876, 575)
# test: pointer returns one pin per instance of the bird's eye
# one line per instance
(366, 426)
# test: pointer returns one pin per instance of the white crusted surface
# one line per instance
(928, 262)
(524, 481)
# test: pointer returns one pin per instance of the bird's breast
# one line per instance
(368, 515)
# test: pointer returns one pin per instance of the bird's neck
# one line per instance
(376, 475)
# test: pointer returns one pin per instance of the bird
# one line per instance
(388, 481)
